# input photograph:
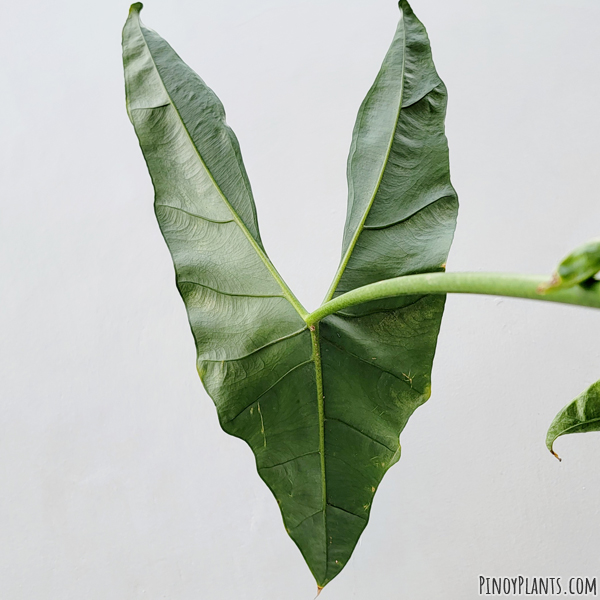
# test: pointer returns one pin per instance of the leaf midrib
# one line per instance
(316, 358)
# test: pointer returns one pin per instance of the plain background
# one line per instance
(115, 479)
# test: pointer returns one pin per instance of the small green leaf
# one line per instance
(580, 416)
(582, 264)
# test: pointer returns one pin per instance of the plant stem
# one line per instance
(494, 284)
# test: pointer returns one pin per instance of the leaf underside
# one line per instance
(322, 408)
(580, 416)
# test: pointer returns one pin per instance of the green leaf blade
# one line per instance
(580, 416)
(322, 408)
(377, 357)
(579, 267)
(398, 169)
(220, 150)
(254, 351)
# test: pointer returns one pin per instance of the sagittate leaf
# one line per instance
(321, 406)
(580, 416)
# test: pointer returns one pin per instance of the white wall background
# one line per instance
(115, 479)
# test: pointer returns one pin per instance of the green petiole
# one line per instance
(490, 284)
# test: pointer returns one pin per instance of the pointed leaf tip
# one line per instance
(404, 5)
(136, 7)
(580, 416)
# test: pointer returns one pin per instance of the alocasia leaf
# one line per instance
(321, 406)
(580, 416)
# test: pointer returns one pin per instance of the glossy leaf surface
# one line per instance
(322, 407)
(580, 416)
(578, 267)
